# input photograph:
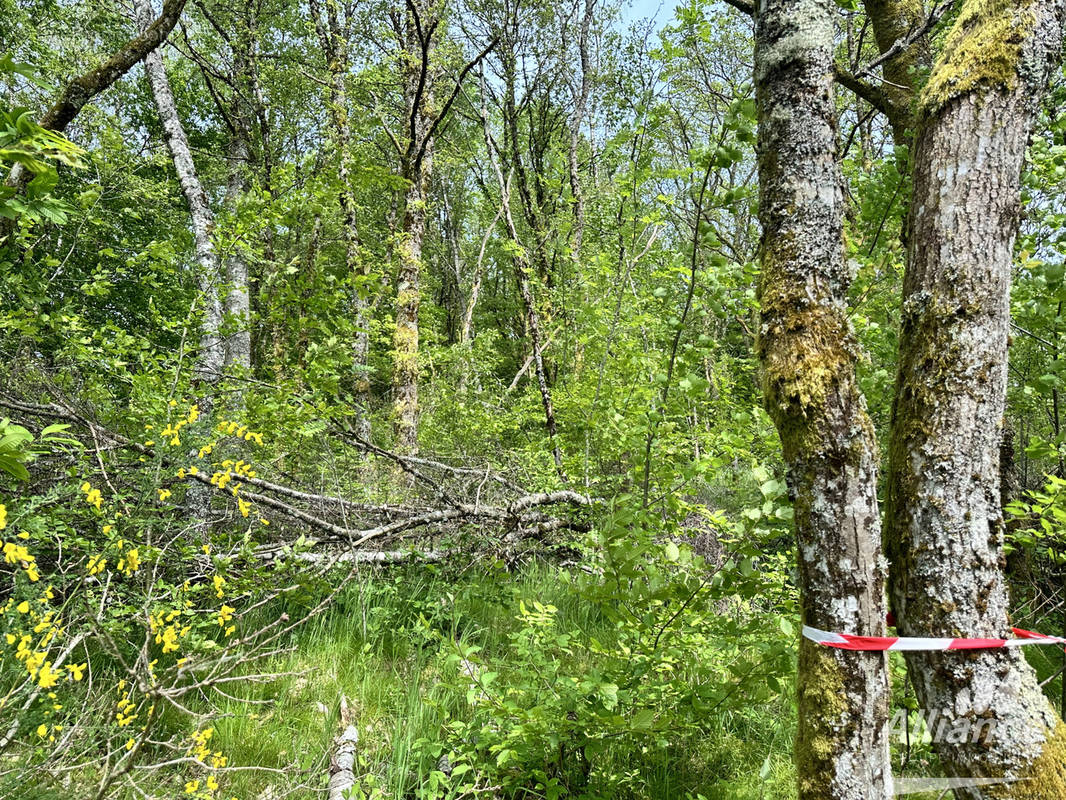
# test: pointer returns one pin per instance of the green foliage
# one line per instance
(17, 447)
(39, 151)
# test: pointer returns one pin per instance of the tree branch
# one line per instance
(85, 87)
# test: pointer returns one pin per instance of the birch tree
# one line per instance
(211, 355)
(808, 353)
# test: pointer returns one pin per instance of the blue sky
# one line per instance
(661, 10)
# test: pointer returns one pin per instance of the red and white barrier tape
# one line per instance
(845, 641)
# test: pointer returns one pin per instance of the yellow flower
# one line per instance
(47, 677)
(219, 582)
(211, 783)
(225, 614)
(163, 494)
(244, 506)
(77, 671)
(3, 516)
(133, 561)
(169, 640)
(23, 607)
(131, 743)
(192, 787)
(92, 496)
(42, 730)
(108, 529)
(96, 564)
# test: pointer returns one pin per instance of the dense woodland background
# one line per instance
(438, 423)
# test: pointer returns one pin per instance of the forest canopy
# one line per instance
(499, 398)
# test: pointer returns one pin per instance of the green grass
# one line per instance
(382, 646)
(388, 646)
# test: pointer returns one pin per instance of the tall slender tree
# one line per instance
(210, 357)
(333, 28)
(809, 354)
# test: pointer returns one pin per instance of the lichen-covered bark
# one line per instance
(943, 522)
(808, 354)
(85, 87)
(237, 309)
(417, 166)
(209, 358)
(408, 298)
(333, 36)
(581, 97)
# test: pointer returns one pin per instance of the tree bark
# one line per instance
(211, 355)
(333, 37)
(80, 91)
(581, 98)
(808, 353)
(523, 277)
(408, 299)
(237, 309)
(893, 21)
(943, 519)
(418, 29)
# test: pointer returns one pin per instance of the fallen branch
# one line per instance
(518, 516)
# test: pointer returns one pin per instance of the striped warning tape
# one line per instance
(845, 641)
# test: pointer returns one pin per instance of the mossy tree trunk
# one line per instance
(808, 353)
(418, 30)
(944, 529)
(895, 22)
(333, 28)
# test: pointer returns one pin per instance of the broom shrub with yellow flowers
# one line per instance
(124, 625)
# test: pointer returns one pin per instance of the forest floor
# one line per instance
(382, 647)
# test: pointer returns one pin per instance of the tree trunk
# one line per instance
(523, 277)
(80, 91)
(333, 37)
(581, 98)
(809, 354)
(893, 21)
(237, 309)
(418, 28)
(211, 354)
(944, 525)
(408, 298)
(85, 87)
